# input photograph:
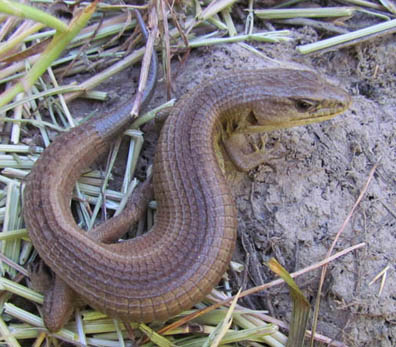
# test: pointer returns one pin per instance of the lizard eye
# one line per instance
(303, 105)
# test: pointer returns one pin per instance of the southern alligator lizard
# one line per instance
(183, 257)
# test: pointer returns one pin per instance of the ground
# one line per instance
(292, 208)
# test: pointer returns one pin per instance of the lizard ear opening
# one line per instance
(251, 118)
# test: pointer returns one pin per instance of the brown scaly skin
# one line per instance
(184, 256)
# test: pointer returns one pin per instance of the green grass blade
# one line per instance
(53, 50)
(217, 335)
(155, 337)
(340, 39)
(305, 12)
(301, 307)
(14, 8)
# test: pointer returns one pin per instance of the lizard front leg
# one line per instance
(234, 146)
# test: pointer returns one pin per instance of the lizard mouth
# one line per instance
(320, 115)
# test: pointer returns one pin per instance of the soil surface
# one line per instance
(292, 207)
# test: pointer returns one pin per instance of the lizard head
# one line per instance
(297, 98)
